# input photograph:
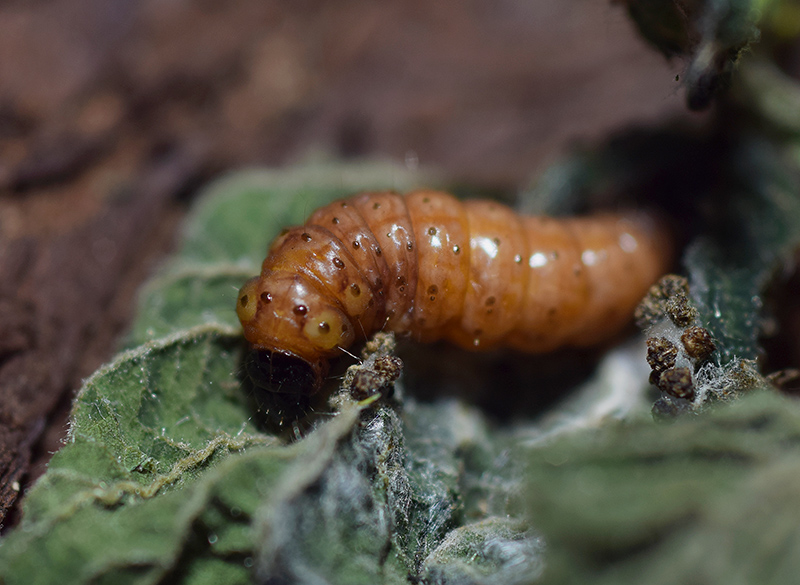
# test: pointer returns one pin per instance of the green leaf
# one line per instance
(711, 499)
(754, 229)
(496, 550)
(192, 535)
(713, 33)
(385, 505)
(150, 420)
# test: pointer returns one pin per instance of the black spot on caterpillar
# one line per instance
(432, 267)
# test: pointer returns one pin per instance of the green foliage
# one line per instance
(713, 33)
(705, 500)
(750, 232)
(124, 493)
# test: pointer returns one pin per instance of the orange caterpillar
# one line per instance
(432, 267)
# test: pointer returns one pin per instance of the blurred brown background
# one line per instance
(112, 112)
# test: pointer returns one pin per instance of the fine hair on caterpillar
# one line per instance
(429, 266)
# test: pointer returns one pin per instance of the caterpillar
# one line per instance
(432, 267)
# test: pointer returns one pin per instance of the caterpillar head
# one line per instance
(287, 319)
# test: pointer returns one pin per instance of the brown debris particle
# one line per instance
(661, 354)
(655, 304)
(380, 343)
(680, 310)
(368, 381)
(698, 343)
(677, 382)
(674, 285)
(378, 370)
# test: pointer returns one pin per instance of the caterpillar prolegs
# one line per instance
(433, 267)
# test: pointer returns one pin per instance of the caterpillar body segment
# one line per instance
(432, 267)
